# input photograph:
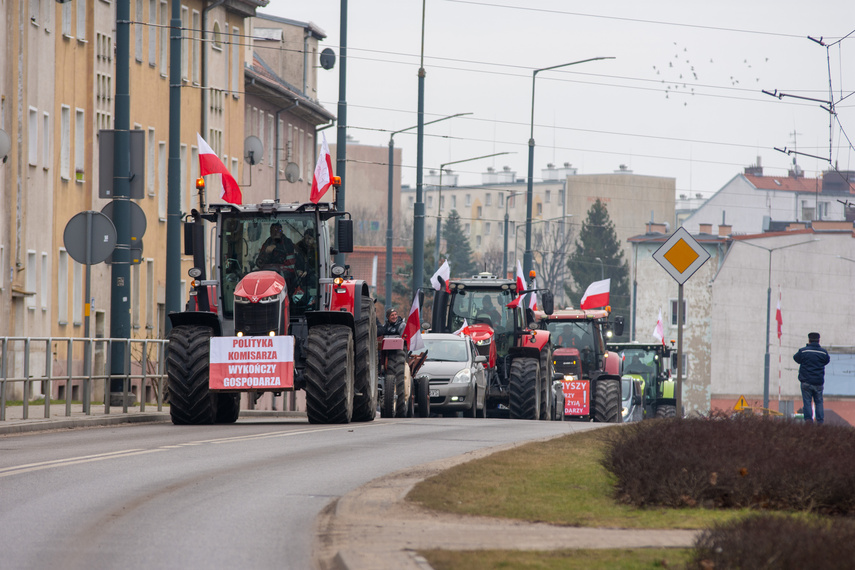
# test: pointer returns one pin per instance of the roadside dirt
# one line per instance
(374, 528)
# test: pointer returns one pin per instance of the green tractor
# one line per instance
(646, 371)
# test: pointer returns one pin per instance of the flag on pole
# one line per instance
(779, 317)
(532, 300)
(659, 331)
(210, 163)
(520, 286)
(322, 179)
(596, 295)
(413, 330)
(464, 330)
(444, 271)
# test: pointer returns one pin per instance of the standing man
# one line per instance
(812, 359)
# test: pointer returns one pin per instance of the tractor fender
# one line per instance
(202, 318)
(540, 340)
(392, 343)
(340, 317)
(611, 363)
(343, 298)
(527, 351)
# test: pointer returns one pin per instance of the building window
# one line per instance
(33, 137)
(45, 292)
(79, 144)
(487, 229)
(430, 201)
(442, 203)
(149, 294)
(270, 143)
(66, 19)
(62, 288)
(32, 279)
(164, 38)
(149, 167)
(674, 312)
(410, 203)
(81, 19)
(501, 200)
(478, 241)
(218, 37)
(466, 229)
(539, 208)
(65, 141)
(46, 140)
(478, 212)
(548, 197)
(235, 63)
(152, 32)
(161, 181)
(512, 229)
(684, 362)
(195, 47)
(488, 200)
(453, 202)
(501, 229)
(138, 32)
(185, 42)
(468, 201)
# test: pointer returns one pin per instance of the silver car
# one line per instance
(458, 379)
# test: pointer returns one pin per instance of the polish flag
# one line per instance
(659, 331)
(596, 295)
(532, 301)
(464, 330)
(444, 271)
(209, 163)
(322, 179)
(779, 317)
(413, 330)
(520, 286)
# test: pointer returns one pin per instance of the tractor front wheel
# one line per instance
(524, 395)
(329, 374)
(187, 360)
(607, 400)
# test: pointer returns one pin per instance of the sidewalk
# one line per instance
(98, 416)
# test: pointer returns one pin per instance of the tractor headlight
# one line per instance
(462, 377)
(241, 300)
(484, 342)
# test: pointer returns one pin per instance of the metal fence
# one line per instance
(80, 370)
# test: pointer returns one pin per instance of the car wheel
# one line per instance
(473, 411)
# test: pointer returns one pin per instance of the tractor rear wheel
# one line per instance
(607, 400)
(365, 376)
(329, 374)
(187, 360)
(546, 398)
(388, 408)
(524, 395)
(666, 411)
(395, 377)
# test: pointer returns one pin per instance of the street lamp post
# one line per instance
(439, 196)
(516, 234)
(527, 258)
(768, 313)
(602, 272)
(390, 204)
(505, 250)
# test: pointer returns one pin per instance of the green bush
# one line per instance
(734, 462)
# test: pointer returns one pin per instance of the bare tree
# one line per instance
(369, 224)
(490, 261)
(551, 244)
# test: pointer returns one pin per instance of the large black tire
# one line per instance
(228, 408)
(187, 361)
(396, 361)
(607, 400)
(473, 411)
(387, 410)
(365, 375)
(423, 397)
(546, 398)
(523, 392)
(329, 374)
(666, 411)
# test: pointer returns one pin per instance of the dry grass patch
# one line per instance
(627, 559)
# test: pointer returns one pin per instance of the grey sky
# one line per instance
(682, 99)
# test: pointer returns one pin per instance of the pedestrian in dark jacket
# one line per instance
(812, 359)
(394, 324)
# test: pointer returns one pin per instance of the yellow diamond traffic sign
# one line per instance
(681, 255)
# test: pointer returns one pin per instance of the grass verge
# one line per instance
(627, 559)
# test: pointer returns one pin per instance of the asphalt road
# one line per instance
(237, 496)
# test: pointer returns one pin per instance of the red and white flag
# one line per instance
(210, 163)
(413, 330)
(779, 317)
(444, 271)
(532, 300)
(596, 295)
(322, 179)
(463, 330)
(520, 286)
(659, 331)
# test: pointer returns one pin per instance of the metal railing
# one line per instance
(38, 366)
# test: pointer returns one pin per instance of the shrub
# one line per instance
(770, 541)
(734, 462)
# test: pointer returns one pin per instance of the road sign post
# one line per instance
(681, 255)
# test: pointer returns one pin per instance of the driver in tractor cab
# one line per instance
(278, 254)
(634, 365)
(488, 313)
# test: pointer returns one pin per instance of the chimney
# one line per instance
(656, 228)
(705, 228)
(724, 230)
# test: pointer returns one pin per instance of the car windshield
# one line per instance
(445, 350)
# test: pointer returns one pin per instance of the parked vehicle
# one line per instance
(631, 391)
(456, 375)
(650, 365)
(272, 323)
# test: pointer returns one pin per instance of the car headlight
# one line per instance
(462, 377)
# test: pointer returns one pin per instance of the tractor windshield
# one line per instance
(486, 306)
(579, 334)
(285, 243)
(640, 362)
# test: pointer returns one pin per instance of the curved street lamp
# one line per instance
(527, 258)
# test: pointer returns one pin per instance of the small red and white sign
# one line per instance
(577, 397)
(251, 363)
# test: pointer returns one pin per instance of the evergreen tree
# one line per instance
(458, 250)
(597, 239)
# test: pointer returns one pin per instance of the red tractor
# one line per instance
(591, 373)
(276, 315)
(519, 359)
